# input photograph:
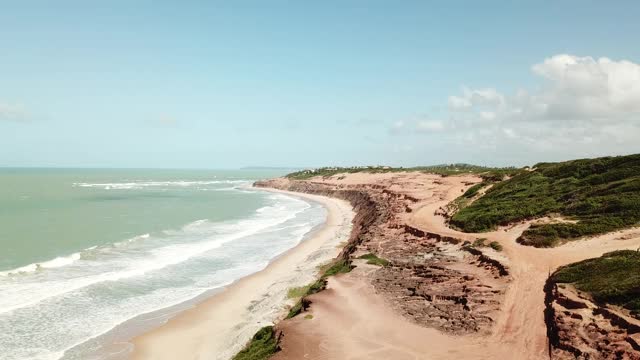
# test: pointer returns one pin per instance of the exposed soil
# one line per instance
(439, 298)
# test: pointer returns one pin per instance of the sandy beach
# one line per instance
(220, 326)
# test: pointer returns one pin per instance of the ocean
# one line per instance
(85, 252)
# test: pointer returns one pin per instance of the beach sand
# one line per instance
(220, 326)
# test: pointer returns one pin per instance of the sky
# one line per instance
(213, 84)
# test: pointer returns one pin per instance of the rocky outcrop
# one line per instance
(579, 328)
(432, 280)
(429, 235)
(488, 261)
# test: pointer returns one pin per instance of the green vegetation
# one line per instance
(308, 316)
(263, 344)
(295, 310)
(494, 174)
(374, 260)
(481, 243)
(302, 292)
(600, 195)
(613, 278)
(472, 191)
(338, 267)
(298, 292)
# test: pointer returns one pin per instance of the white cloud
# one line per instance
(475, 97)
(456, 102)
(487, 115)
(429, 126)
(397, 127)
(584, 87)
(585, 107)
(13, 112)
(416, 124)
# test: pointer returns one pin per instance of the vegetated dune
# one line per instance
(444, 294)
(600, 195)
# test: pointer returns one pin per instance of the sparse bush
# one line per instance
(479, 242)
(472, 191)
(297, 292)
(339, 267)
(263, 344)
(374, 260)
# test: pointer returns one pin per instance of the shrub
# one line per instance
(602, 194)
(263, 344)
(479, 242)
(297, 292)
(473, 190)
(612, 278)
(374, 260)
(339, 267)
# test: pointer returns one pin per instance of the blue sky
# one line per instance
(229, 84)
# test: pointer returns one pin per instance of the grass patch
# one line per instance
(479, 242)
(602, 194)
(263, 344)
(495, 246)
(295, 310)
(613, 278)
(308, 316)
(303, 303)
(472, 191)
(374, 260)
(337, 267)
(297, 292)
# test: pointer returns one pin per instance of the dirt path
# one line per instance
(520, 325)
(351, 321)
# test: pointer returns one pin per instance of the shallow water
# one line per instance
(86, 250)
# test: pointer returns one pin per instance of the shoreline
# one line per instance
(221, 325)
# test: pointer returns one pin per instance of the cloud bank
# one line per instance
(584, 107)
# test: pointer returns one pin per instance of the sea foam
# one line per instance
(53, 263)
(155, 184)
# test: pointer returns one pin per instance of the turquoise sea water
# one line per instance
(82, 251)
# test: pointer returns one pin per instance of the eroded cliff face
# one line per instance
(367, 211)
(433, 280)
(578, 328)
